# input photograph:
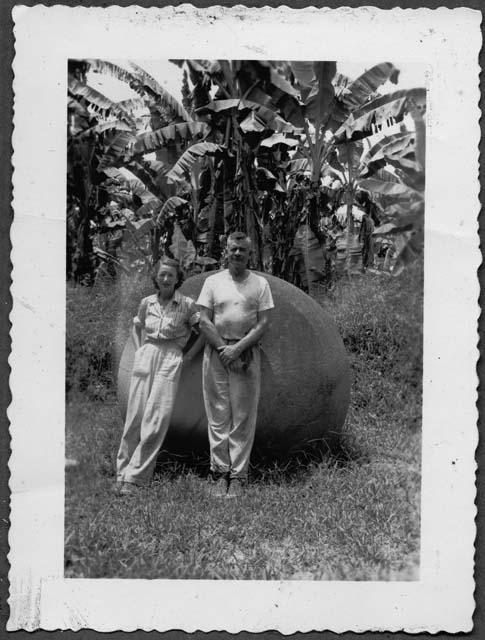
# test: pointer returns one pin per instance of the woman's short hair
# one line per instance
(169, 262)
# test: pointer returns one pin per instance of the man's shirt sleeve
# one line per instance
(194, 315)
(206, 298)
(266, 298)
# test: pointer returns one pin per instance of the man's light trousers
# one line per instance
(231, 403)
(154, 382)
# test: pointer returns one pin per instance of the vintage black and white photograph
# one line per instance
(244, 253)
(245, 248)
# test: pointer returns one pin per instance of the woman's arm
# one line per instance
(137, 336)
(195, 348)
(139, 324)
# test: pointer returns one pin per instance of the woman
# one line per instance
(161, 330)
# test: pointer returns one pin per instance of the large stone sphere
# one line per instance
(305, 381)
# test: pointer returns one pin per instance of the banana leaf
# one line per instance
(76, 107)
(226, 104)
(166, 99)
(205, 260)
(413, 178)
(392, 229)
(110, 69)
(184, 164)
(300, 165)
(142, 169)
(253, 123)
(409, 245)
(136, 186)
(148, 210)
(417, 106)
(95, 98)
(116, 149)
(181, 248)
(181, 132)
(315, 80)
(117, 125)
(132, 104)
(363, 121)
(349, 153)
(395, 150)
(268, 116)
(304, 73)
(351, 95)
(397, 144)
(319, 100)
(386, 176)
(406, 163)
(386, 188)
(169, 207)
(140, 227)
(365, 85)
(279, 138)
(267, 84)
(280, 82)
(396, 210)
(149, 171)
(341, 85)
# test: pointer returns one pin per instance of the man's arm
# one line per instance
(208, 328)
(231, 352)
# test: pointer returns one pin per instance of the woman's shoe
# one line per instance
(128, 489)
(236, 488)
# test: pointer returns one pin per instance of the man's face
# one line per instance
(238, 252)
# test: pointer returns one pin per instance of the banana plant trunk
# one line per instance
(350, 217)
(155, 243)
(241, 207)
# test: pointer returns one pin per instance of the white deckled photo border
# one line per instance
(448, 41)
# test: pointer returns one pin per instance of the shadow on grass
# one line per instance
(266, 468)
(340, 451)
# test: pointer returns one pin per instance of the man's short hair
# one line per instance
(239, 236)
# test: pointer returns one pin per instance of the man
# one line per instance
(234, 314)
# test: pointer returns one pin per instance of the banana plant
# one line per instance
(240, 113)
(329, 102)
(391, 173)
(105, 135)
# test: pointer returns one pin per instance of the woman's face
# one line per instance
(166, 278)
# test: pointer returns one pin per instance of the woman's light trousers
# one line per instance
(153, 387)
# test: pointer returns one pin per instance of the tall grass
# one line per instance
(380, 320)
(353, 516)
(97, 319)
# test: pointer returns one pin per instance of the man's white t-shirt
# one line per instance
(235, 305)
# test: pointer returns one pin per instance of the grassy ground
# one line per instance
(354, 516)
